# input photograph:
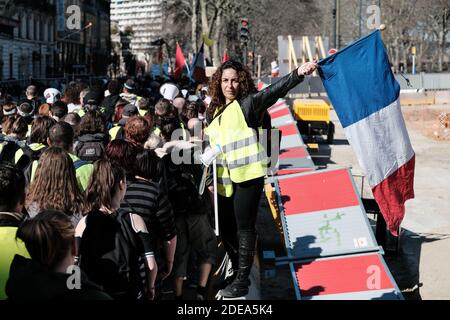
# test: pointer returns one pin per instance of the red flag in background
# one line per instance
(180, 62)
(226, 57)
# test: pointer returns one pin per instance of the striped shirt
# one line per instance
(148, 199)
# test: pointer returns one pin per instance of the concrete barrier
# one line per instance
(415, 99)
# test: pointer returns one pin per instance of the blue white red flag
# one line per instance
(365, 95)
(198, 70)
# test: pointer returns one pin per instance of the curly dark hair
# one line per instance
(92, 122)
(246, 87)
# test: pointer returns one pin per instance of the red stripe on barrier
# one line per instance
(318, 192)
(280, 113)
(293, 153)
(278, 104)
(347, 275)
(289, 130)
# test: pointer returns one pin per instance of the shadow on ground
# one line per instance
(405, 264)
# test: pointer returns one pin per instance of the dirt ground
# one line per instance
(420, 267)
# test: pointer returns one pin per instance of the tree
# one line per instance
(421, 23)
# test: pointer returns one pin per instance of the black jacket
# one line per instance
(29, 280)
(109, 104)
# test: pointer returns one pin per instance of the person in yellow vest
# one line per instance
(117, 131)
(234, 116)
(12, 199)
(26, 111)
(143, 106)
(129, 92)
(37, 144)
(62, 135)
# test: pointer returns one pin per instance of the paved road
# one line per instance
(421, 267)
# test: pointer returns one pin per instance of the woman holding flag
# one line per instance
(234, 116)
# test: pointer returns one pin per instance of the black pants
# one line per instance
(238, 213)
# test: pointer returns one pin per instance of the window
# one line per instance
(28, 28)
(36, 29)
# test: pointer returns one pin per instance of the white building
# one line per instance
(145, 17)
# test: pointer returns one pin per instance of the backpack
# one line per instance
(121, 262)
(89, 150)
(8, 149)
(28, 170)
(183, 192)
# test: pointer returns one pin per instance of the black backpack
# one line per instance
(28, 170)
(8, 153)
(90, 148)
(121, 262)
(183, 192)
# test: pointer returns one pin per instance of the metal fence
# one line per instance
(427, 81)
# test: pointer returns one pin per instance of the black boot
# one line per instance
(232, 252)
(227, 281)
(239, 287)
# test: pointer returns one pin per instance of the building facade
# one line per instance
(26, 29)
(36, 42)
(143, 19)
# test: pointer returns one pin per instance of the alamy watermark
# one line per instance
(73, 21)
(374, 280)
(73, 282)
(242, 155)
(374, 19)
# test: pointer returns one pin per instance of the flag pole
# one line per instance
(187, 67)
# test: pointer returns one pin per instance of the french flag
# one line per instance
(198, 70)
(365, 95)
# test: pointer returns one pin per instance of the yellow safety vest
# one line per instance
(157, 131)
(33, 146)
(114, 131)
(243, 158)
(142, 112)
(29, 130)
(9, 247)
(83, 173)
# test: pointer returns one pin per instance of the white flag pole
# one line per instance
(216, 205)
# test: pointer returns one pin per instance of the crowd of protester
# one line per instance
(87, 179)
